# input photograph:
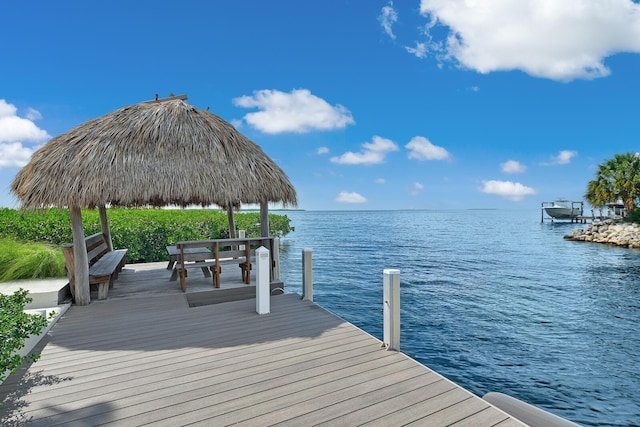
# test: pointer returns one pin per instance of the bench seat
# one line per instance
(104, 264)
(110, 263)
(106, 270)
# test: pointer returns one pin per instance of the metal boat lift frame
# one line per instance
(572, 218)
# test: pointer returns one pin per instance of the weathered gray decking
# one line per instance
(154, 360)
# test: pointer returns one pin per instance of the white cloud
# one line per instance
(345, 197)
(417, 188)
(33, 114)
(388, 17)
(298, 111)
(14, 128)
(322, 150)
(7, 109)
(371, 154)
(560, 40)
(14, 154)
(419, 51)
(14, 131)
(564, 157)
(513, 191)
(381, 181)
(512, 166)
(421, 148)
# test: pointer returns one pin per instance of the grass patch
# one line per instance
(23, 260)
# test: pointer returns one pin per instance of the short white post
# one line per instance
(307, 274)
(241, 235)
(263, 281)
(391, 310)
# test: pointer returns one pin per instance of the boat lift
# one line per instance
(573, 218)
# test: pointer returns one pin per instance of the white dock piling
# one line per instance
(263, 281)
(391, 309)
(307, 274)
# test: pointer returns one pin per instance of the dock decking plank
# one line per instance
(192, 375)
(340, 402)
(223, 379)
(472, 409)
(236, 404)
(131, 361)
(422, 408)
(229, 347)
(485, 417)
(315, 398)
(360, 409)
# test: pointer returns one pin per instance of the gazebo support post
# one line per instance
(81, 268)
(232, 222)
(264, 219)
(264, 229)
(104, 224)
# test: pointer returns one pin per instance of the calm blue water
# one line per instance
(492, 299)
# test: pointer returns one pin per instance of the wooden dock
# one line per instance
(154, 360)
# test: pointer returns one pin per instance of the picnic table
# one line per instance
(190, 254)
(199, 255)
(239, 251)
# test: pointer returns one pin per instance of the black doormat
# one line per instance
(218, 296)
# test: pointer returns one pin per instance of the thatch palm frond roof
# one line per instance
(155, 153)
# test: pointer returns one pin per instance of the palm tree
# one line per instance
(598, 192)
(616, 179)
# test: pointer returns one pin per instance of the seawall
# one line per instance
(613, 233)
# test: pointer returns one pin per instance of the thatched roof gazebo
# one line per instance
(156, 153)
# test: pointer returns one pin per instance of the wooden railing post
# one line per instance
(391, 309)
(263, 282)
(307, 274)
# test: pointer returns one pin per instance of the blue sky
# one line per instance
(436, 104)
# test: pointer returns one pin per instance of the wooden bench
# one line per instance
(222, 252)
(104, 265)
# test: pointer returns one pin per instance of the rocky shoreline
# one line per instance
(613, 233)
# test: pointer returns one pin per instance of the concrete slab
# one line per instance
(44, 292)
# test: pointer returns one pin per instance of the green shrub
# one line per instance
(15, 327)
(46, 225)
(633, 216)
(29, 260)
(144, 232)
